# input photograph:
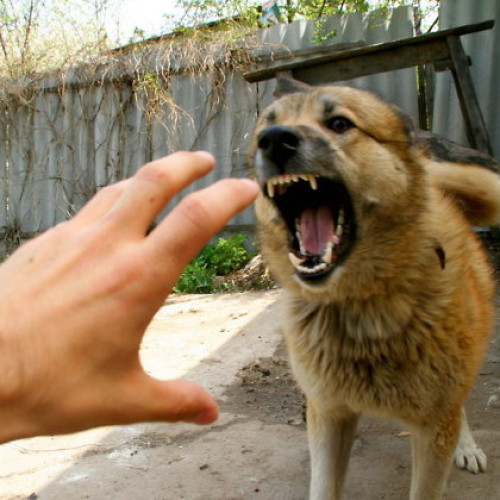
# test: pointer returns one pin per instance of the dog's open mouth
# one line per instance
(319, 215)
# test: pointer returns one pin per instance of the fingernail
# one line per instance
(206, 155)
(252, 184)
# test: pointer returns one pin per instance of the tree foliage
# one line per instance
(286, 11)
(36, 35)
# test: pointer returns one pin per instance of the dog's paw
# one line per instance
(469, 456)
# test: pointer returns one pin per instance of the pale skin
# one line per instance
(76, 301)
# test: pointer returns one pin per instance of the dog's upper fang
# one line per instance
(270, 189)
(285, 180)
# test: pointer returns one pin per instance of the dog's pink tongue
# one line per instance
(316, 229)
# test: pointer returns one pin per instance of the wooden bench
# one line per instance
(443, 49)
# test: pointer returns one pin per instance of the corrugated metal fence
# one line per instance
(69, 140)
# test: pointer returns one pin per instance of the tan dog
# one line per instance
(387, 291)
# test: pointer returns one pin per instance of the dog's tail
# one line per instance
(467, 176)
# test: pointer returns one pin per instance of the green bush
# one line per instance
(223, 258)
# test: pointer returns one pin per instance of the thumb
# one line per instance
(174, 401)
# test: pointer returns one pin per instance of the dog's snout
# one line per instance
(278, 143)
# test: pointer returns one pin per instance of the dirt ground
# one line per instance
(232, 345)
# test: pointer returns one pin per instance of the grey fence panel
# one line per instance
(484, 51)
(217, 118)
(78, 146)
(136, 142)
(19, 160)
(106, 134)
(41, 188)
(240, 115)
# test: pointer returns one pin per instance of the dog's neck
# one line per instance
(380, 317)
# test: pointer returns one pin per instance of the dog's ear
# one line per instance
(285, 84)
(406, 121)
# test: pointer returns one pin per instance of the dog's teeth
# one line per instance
(313, 270)
(301, 245)
(299, 238)
(328, 256)
(341, 217)
(328, 253)
(319, 267)
(313, 182)
(296, 261)
(340, 223)
(270, 188)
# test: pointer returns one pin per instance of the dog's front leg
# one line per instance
(330, 438)
(432, 450)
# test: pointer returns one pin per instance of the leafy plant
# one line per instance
(226, 256)
(195, 279)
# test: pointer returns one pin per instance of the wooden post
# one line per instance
(475, 127)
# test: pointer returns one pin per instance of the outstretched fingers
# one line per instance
(154, 185)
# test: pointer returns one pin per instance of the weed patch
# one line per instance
(226, 256)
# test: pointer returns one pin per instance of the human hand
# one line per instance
(76, 301)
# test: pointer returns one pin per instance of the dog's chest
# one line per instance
(334, 365)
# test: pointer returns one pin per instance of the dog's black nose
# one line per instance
(278, 143)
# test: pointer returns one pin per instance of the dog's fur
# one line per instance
(397, 325)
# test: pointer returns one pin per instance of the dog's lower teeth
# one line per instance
(299, 264)
(318, 268)
(296, 261)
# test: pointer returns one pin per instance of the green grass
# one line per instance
(226, 256)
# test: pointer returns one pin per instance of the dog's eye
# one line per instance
(339, 124)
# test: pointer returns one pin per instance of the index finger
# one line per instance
(154, 185)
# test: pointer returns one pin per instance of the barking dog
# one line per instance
(387, 291)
